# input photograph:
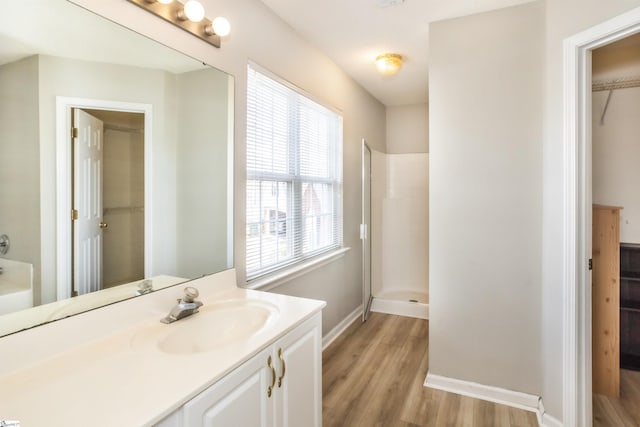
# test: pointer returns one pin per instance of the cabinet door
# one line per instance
(239, 399)
(299, 366)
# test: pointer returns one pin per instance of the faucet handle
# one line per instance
(190, 294)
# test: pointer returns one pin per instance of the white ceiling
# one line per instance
(353, 32)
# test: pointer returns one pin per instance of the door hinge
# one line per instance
(74, 214)
(590, 263)
(74, 132)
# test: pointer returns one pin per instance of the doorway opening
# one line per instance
(108, 246)
(616, 232)
(577, 229)
(103, 180)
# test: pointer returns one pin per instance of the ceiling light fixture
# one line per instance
(388, 64)
(189, 16)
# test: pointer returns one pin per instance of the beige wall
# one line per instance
(262, 37)
(616, 149)
(486, 197)
(19, 151)
(408, 129)
(202, 215)
(616, 154)
(617, 60)
(404, 238)
(123, 199)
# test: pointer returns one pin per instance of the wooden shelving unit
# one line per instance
(606, 300)
(630, 306)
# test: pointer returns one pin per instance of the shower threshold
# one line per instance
(402, 303)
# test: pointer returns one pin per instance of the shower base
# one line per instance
(402, 303)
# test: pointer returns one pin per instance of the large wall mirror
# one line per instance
(116, 164)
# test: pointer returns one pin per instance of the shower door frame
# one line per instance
(365, 234)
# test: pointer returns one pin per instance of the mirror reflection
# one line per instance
(115, 177)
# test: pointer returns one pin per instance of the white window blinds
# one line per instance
(294, 176)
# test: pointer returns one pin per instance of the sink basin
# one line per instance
(214, 326)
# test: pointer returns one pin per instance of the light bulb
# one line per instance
(165, 1)
(194, 11)
(221, 26)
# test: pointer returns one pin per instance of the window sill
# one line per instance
(283, 276)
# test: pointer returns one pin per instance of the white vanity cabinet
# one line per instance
(279, 387)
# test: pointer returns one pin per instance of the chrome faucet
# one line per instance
(144, 287)
(185, 307)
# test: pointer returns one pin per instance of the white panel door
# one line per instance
(87, 190)
(239, 399)
(299, 367)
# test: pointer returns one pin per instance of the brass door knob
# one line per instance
(104, 225)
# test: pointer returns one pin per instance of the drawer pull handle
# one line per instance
(284, 367)
(273, 377)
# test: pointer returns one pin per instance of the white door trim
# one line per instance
(64, 105)
(577, 391)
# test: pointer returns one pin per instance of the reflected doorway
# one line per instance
(103, 171)
(615, 290)
(108, 196)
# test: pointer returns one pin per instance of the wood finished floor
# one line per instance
(623, 412)
(373, 375)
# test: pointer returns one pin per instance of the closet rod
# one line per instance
(622, 83)
(606, 107)
(108, 126)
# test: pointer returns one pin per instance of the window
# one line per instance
(294, 176)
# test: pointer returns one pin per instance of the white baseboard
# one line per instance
(516, 399)
(540, 413)
(340, 327)
(544, 419)
(549, 421)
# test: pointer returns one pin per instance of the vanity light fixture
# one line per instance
(219, 26)
(388, 63)
(192, 10)
(190, 16)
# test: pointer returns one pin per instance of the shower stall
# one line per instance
(399, 235)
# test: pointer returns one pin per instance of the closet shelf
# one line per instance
(630, 305)
(123, 209)
(632, 276)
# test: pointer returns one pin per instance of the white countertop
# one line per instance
(21, 319)
(108, 382)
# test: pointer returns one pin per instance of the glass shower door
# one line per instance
(365, 234)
